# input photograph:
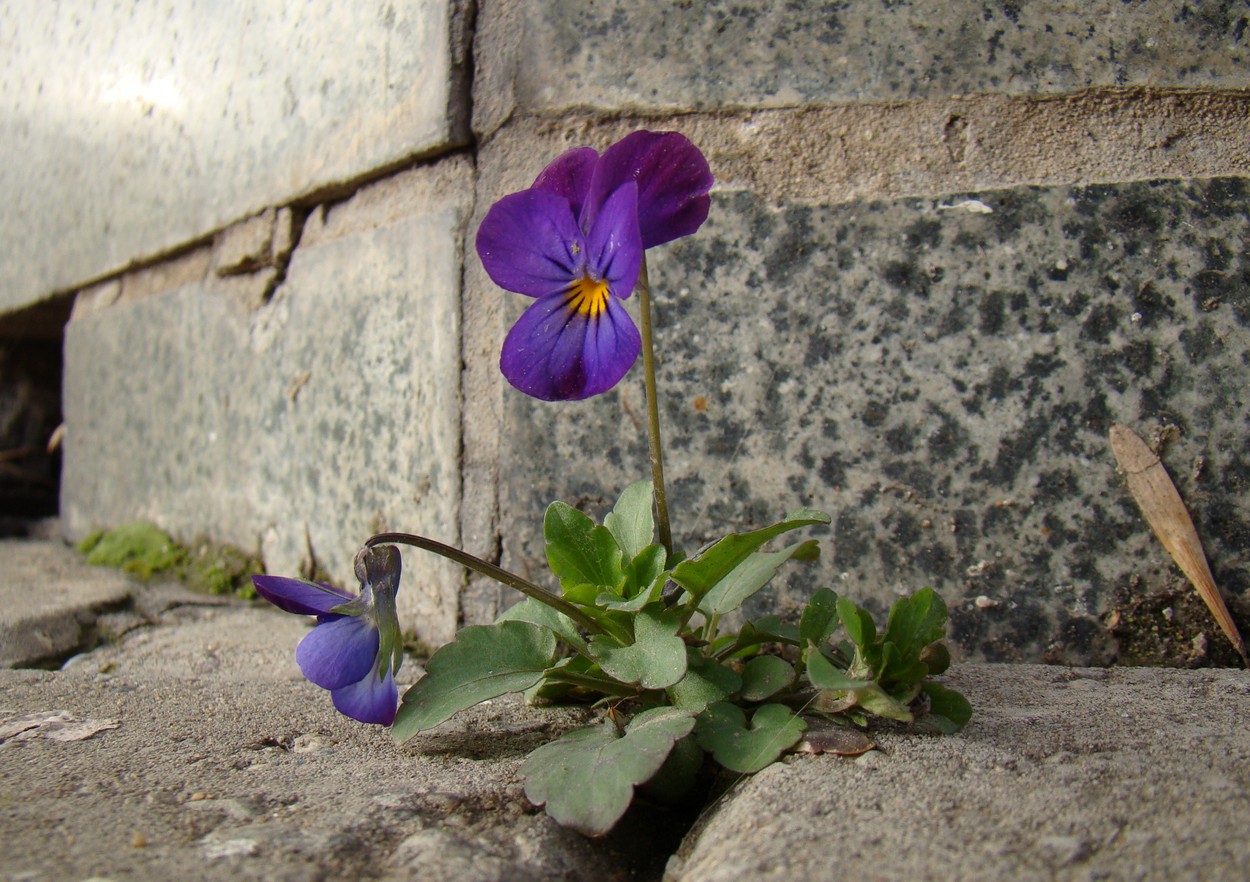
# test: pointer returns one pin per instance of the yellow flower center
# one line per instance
(588, 296)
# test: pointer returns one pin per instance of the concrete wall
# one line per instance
(950, 244)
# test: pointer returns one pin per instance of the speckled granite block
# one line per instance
(940, 375)
(303, 426)
(558, 55)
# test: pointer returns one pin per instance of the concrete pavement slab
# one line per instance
(49, 600)
(1063, 774)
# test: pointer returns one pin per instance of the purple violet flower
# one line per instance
(574, 241)
(355, 648)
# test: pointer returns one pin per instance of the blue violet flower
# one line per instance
(574, 241)
(355, 648)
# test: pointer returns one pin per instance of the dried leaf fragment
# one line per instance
(823, 737)
(1164, 510)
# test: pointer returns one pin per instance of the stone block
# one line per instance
(940, 375)
(555, 56)
(175, 119)
(303, 426)
(1072, 775)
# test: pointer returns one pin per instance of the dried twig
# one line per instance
(1164, 510)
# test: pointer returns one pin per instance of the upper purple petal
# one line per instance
(372, 699)
(614, 243)
(673, 182)
(568, 175)
(339, 651)
(299, 596)
(530, 243)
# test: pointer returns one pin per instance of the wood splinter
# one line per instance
(1167, 515)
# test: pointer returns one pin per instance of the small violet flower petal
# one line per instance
(569, 176)
(530, 243)
(372, 699)
(299, 596)
(673, 183)
(339, 651)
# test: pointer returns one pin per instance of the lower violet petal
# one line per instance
(339, 651)
(542, 353)
(611, 348)
(372, 699)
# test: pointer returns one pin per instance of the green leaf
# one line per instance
(583, 594)
(538, 613)
(948, 710)
(553, 688)
(579, 552)
(765, 676)
(820, 618)
(676, 778)
(706, 681)
(642, 582)
(857, 622)
(722, 732)
(936, 657)
(874, 699)
(631, 522)
(771, 629)
(586, 778)
(752, 574)
(768, 629)
(699, 575)
(484, 661)
(657, 657)
(825, 675)
(916, 621)
(904, 676)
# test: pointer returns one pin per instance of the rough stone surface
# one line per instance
(196, 750)
(940, 375)
(1129, 774)
(50, 600)
(178, 118)
(301, 427)
(559, 55)
(193, 748)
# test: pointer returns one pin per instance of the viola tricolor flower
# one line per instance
(574, 241)
(355, 648)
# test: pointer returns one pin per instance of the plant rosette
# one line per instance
(634, 626)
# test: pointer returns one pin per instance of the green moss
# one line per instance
(222, 569)
(144, 550)
(140, 549)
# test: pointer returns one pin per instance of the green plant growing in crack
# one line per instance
(635, 627)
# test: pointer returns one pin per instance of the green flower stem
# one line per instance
(653, 411)
(499, 574)
(710, 631)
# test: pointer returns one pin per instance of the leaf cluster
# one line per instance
(675, 689)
